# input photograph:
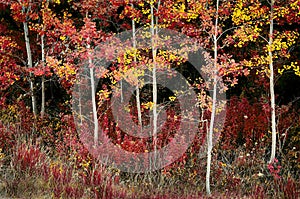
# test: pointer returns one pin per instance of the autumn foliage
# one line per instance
(43, 154)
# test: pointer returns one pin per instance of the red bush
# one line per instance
(246, 123)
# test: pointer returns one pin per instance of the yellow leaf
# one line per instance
(172, 98)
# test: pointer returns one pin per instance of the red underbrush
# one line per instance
(45, 158)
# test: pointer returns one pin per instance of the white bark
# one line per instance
(272, 93)
(43, 78)
(93, 90)
(30, 65)
(154, 84)
(121, 90)
(214, 99)
(137, 97)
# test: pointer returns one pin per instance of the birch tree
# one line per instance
(257, 25)
(153, 29)
(272, 93)
(90, 32)
(138, 103)
(214, 99)
(26, 11)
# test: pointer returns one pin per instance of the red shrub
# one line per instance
(246, 123)
(28, 158)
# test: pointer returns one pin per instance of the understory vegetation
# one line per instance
(250, 56)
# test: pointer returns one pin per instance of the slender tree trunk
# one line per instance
(94, 106)
(43, 63)
(30, 65)
(43, 78)
(273, 116)
(137, 97)
(80, 106)
(154, 83)
(214, 100)
(95, 117)
(121, 90)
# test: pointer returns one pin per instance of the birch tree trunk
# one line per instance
(214, 99)
(30, 65)
(154, 84)
(137, 97)
(272, 93)
(43, 78)
(94, 106)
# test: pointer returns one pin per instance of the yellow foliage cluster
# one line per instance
(260, 63)
(248, 14)
(62, 38)
(62, 70)
(281, 11)
(252, 19)
(284, 40)
(103, 94)
(10, 114)
(66, 70)
(296, 6)
(170, 57)
(9, 43)
(148, 105)
(128, 56)
(181, 11)
(172, 98)
(145, 11)
(292, 66)
(246, 34)
(77, 158)
(257, 61)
